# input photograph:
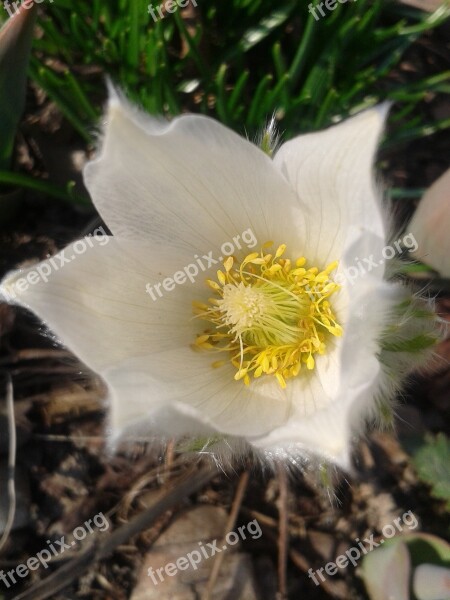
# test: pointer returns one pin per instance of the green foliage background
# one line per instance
(241, 61)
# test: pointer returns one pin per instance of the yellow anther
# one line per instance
(331, 267)
(269, 317)
(213, 285)
(221, 277)
(257, 261)
(228, 263)
(218, 363)
(274, 268)
(281, 380)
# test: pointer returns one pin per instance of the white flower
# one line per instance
(431, 224)
(431, 582)
(386, 572)
(288, 384)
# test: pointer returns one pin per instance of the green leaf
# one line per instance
(15, 43)
(432, 462)
(19, 180)
(416, 344)
(240, 61)
(399, 193)
(256, 34)
(414, 268)
(201, 444)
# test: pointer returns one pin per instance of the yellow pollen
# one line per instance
(270, 315)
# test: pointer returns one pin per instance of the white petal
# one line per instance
(191, 184)
(97, 303)
(181, 383)
(169, 391)
(431, 582)
(98, 306)
(346, 303)
(330, 403)
(386, 572)
(178, 189)
(331, 172)
(430, 226)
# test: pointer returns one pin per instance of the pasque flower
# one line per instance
(431, 224)
(276, 351)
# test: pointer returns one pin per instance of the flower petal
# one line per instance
(98, 306)
(178, 392)
(331, 172)
(431, 582)
(187, 185)
(97, 303)
(386, 572)
(346, 304)
(430, 226)
(330, 404)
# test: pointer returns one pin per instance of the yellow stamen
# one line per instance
(270, 317)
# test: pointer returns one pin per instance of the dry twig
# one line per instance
(11, 463)
(283, 531)
(96, 550)
(242, 486)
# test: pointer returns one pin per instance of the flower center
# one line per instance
(269, 315)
